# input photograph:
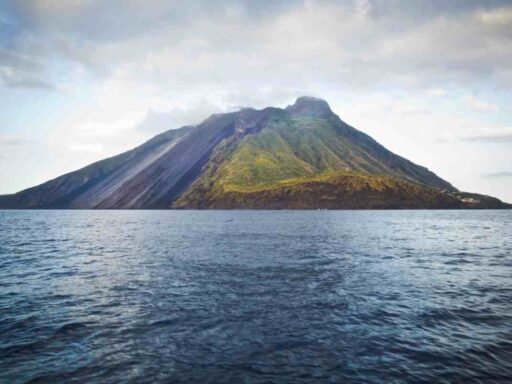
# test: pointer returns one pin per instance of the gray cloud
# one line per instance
(21, 71)
(25, 81)
(12, 140)
(106, 22)
(497, 175)
(248, 45)
(490, 138)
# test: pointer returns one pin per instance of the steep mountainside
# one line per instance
(303, 156)
(149, 176)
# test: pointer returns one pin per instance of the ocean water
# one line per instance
(256, 296)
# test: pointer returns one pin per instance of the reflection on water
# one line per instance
(277, 296)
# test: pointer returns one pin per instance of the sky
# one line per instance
(81, 80)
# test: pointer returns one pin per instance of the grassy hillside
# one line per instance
(331, 190)
(297, 147)
(290, 151)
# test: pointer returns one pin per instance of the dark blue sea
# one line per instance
(256, 296)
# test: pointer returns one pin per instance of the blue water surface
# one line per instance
(256, 296)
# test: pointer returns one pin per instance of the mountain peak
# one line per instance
(310, 106)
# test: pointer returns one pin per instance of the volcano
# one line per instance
(300, 157)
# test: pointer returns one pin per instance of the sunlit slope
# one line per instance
(297, 146)
(332, 190)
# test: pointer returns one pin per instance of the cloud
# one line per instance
(12, 140)
(438, 92)
(81, 147)
(156, 121)
(480, 105)
(490, 138)
(497, 17)
(227, 46)
(60, 4)
(491, 133)
(497, 175)
(16, 81)
(19, 71)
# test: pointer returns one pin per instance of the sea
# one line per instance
(255, 296)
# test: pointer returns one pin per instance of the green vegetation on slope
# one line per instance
(287, 150)
(333, 190)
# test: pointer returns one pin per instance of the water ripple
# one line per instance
(241, 296)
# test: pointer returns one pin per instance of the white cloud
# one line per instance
(160, 121)
(498, 17)
(10, 139)
(81, 147)
(480, 105)
(436, 92)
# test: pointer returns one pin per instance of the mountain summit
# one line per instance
(303, 156)
(310, 106)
